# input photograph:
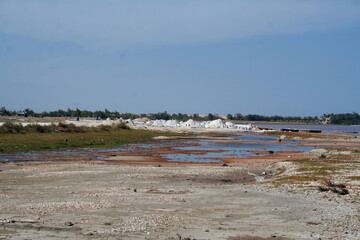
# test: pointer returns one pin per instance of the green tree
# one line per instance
(229, 117)
(211, 117)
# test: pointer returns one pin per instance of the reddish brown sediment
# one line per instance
(179, 151)
(131, 158)
(254, 141)
(258, 151)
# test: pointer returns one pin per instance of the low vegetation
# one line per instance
(331, 171)
(15, 137)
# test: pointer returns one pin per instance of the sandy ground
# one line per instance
(137, 197)
(89, 201)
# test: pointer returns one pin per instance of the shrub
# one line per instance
(105, 128)
(9, 127)
(62, 125)
(122, 126)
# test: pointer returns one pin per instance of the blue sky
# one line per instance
(285, 57)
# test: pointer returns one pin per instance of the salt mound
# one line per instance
(159, 123)
(172, 123)
(188, 123)
(144, 119)
(192, 123)
(108, 121)
(218, 123)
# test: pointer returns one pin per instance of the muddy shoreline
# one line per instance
(136, 195)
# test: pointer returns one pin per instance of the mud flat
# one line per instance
(139, 197)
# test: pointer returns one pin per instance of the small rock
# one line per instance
(68, 224)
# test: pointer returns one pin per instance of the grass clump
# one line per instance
(122, 126)
(356, 178)
(338, 188)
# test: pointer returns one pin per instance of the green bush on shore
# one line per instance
(15, 137)
(15, 128)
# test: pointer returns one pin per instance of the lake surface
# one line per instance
(347, 129)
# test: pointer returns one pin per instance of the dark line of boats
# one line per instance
(303, 130)
(292, 130)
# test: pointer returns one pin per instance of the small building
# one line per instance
(20, 114)
(326, 121)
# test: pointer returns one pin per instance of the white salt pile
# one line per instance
(218, 123)
(159, 123)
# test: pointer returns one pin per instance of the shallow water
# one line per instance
(236, 150)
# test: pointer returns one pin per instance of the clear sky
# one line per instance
(285, 57)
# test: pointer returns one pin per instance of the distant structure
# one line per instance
(20, 114)
(326, 120)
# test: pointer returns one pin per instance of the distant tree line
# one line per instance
(106, 114)
(182, 117)
(276, 118)
(71, 113)
(343, 118)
